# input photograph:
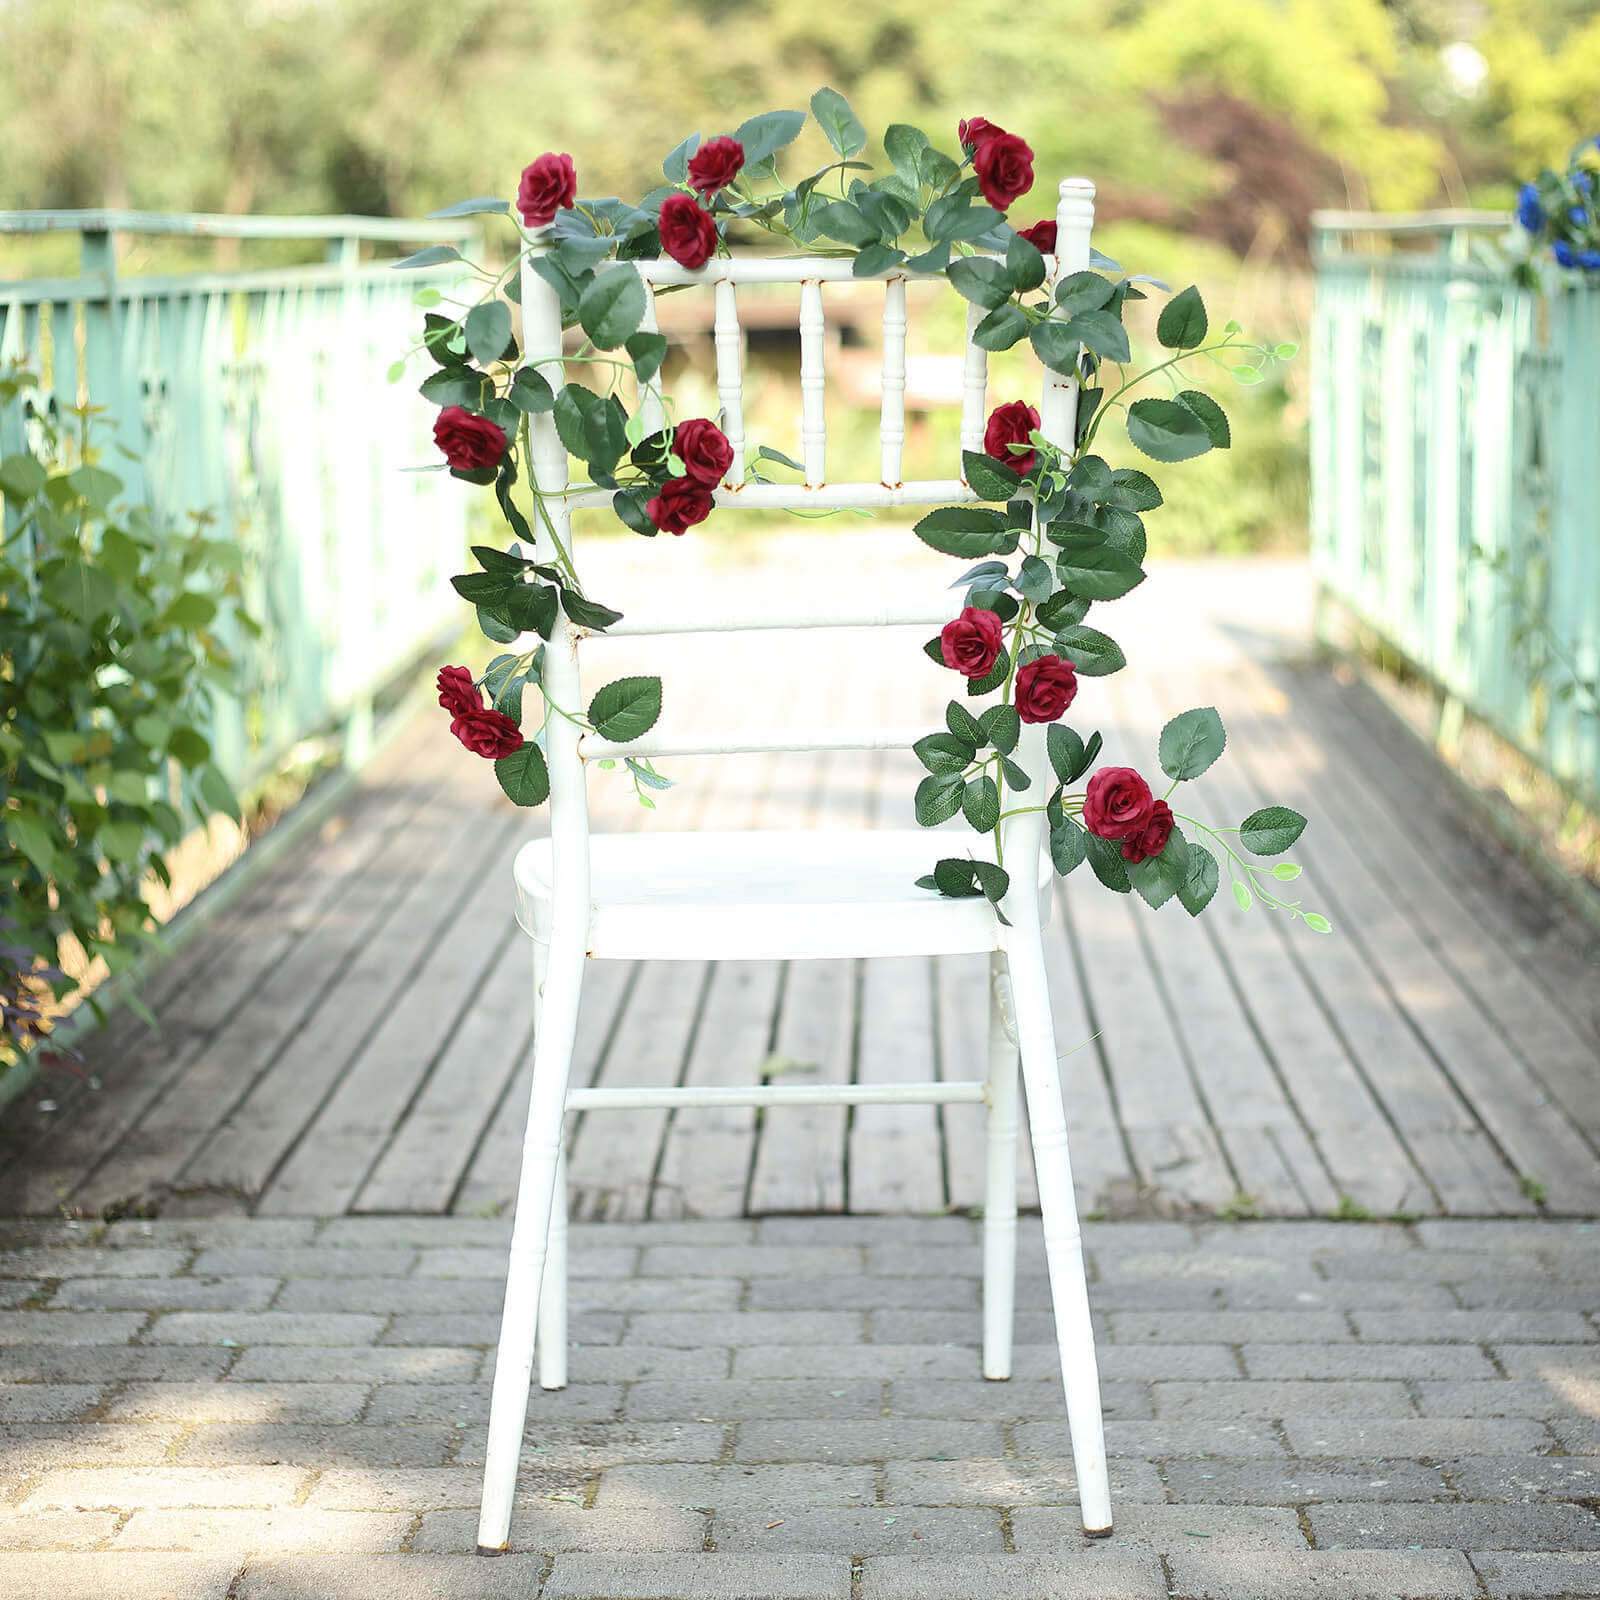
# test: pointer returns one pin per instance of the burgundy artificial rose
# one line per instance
(1151, 839)
(688, 234)
(457, 692)
(548, 185)
(971, 643)
(1004, 165)
(1045, 688)
(679, 504)
(715, 165)
(486, 733)
(467, 441)
(1117, 803)
(972, 131)
(1042, 236)
(1011, 424)
(703, 449)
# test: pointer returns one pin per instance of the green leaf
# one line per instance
(1241, 895)
(1159, 878)
(21, 477)
(959, 878)
(967, 531)
(872, 259)
(1056, 345)
(987, 478)
(1182, 323)
(904, 145)
(1211, 415)
(1024, 264)
(944, 752)
(964, 725)
(1002, 727)
(530, 392)
(1317, 923)
(1105, 859)
(488, 330)
(217, 793)
(1094, 654)
(765, 135)
(434, 255)
(841, 220)
(524, 776)
(1063, 610)
(1191, 742)
(1286, 871)
(1271, 831)
(1065, 749)
(612, 306)
(1083, 291)
(625, 709)
(588, 613)
(767, 453)
(483, 206)
(1001, 329)
(1199, 881)
(456, 386)
(647, 351)
(1133, 490)
(1069, 845)
(938, 798)
(675, 169)
(1098, 572)
(838, 122)
(1102, 333)
(1167, 431)
(981, 280)
(980, 803)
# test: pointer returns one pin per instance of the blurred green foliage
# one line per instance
(1212, 127)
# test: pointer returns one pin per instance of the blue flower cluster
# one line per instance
(1559, 210)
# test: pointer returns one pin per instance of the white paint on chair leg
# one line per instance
(729, 343)
(553, 1291)
(892, 411)
(813, 406)
(1000, 1184)
(1063, 1239)
(541, 1152)
(974, 385)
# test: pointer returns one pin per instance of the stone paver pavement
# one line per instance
(238, 1409)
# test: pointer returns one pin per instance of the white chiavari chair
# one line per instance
(724, 896)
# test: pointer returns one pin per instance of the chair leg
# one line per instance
(1063, 1239)
(1000, 1185)
(541, 1152)
(553, 1295)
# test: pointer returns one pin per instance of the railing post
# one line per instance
(104, 379)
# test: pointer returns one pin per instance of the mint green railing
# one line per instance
(259, 396)
(1455, 447)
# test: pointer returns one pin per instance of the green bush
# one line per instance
(111, 627)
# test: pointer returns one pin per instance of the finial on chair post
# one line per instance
(1074, 221)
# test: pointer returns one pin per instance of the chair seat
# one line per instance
(764, 895)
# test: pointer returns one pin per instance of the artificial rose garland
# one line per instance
(688, 234)
(715, 165)
(1072, 521)
(469, 443)
(1010, 424)
(971, 644)
(548, 185)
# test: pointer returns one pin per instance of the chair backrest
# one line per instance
(568, 749)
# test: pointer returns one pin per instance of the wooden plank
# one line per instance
(90, 1138)
(1261, 957)
(1537, 1139)
(410, 984)
(1180, 1163)
(893, 1152)
(800, 1150)
(1450, 911)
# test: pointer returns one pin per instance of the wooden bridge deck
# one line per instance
(351, 1034)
